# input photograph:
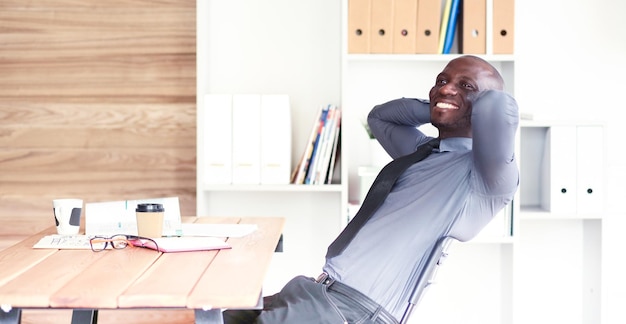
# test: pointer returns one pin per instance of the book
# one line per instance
(300, 172)
(329, 148)
(444, 26)
(334, 156)
(316, 145)
(451, 27)
(324, 142)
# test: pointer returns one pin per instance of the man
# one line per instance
(455, 191)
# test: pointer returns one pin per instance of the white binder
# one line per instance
(590, 171)
(275, 139)
(559, 170)
(246, 139)
(217, 139)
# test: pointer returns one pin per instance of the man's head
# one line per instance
(455, 89)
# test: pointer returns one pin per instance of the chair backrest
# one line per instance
(425, 279)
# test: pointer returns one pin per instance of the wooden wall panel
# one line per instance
(97, 101)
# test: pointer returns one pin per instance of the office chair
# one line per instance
(425, 279)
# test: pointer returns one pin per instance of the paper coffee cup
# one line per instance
(150, 220)
(67, 215)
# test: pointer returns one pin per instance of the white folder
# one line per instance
(275, 139)
(590, 170)
(559, 170)
(217, 139)
(246, 138)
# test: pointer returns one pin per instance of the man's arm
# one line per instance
(394, 124)
(495, 119)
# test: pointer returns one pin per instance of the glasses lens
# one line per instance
(119, 241)
(98, 243)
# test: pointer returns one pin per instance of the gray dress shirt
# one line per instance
(454, 192)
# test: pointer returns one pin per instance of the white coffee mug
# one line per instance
(67, 215)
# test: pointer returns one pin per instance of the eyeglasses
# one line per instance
(120, 241)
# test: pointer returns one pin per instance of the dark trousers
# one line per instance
(303, 301)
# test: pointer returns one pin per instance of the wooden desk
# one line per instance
(86, 281)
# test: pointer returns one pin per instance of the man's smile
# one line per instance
(445, 105)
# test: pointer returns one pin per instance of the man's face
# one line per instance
(452, 95)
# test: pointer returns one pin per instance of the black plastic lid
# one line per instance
(150, 208)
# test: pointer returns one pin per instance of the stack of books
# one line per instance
(318, 161)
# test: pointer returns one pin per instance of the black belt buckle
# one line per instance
(324, 279)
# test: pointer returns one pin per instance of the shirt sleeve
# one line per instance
(495, 119)
(394, 124)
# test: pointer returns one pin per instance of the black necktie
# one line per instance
(378, 192)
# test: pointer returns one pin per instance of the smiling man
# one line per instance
(455, 191)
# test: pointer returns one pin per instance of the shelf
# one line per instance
(537, 213)
(546, 123)
(275, 188)
(424, 57)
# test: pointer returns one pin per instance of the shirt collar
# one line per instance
(455, 144)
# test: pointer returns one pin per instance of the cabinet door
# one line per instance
(590, 173)
(559, 170)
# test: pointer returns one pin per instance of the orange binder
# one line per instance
(503, 26)
(359, 26)
(404, 26)
(428, 21)
(473, 38)
(381, 25)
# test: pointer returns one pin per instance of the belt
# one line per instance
(357, 297)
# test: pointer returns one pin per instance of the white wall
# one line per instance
(570, 63)
(277, 46)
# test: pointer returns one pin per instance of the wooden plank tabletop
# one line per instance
(136, 277)
(231, 282)
(21, 257)
(35, 286)
(105, 279)
(181, 272)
